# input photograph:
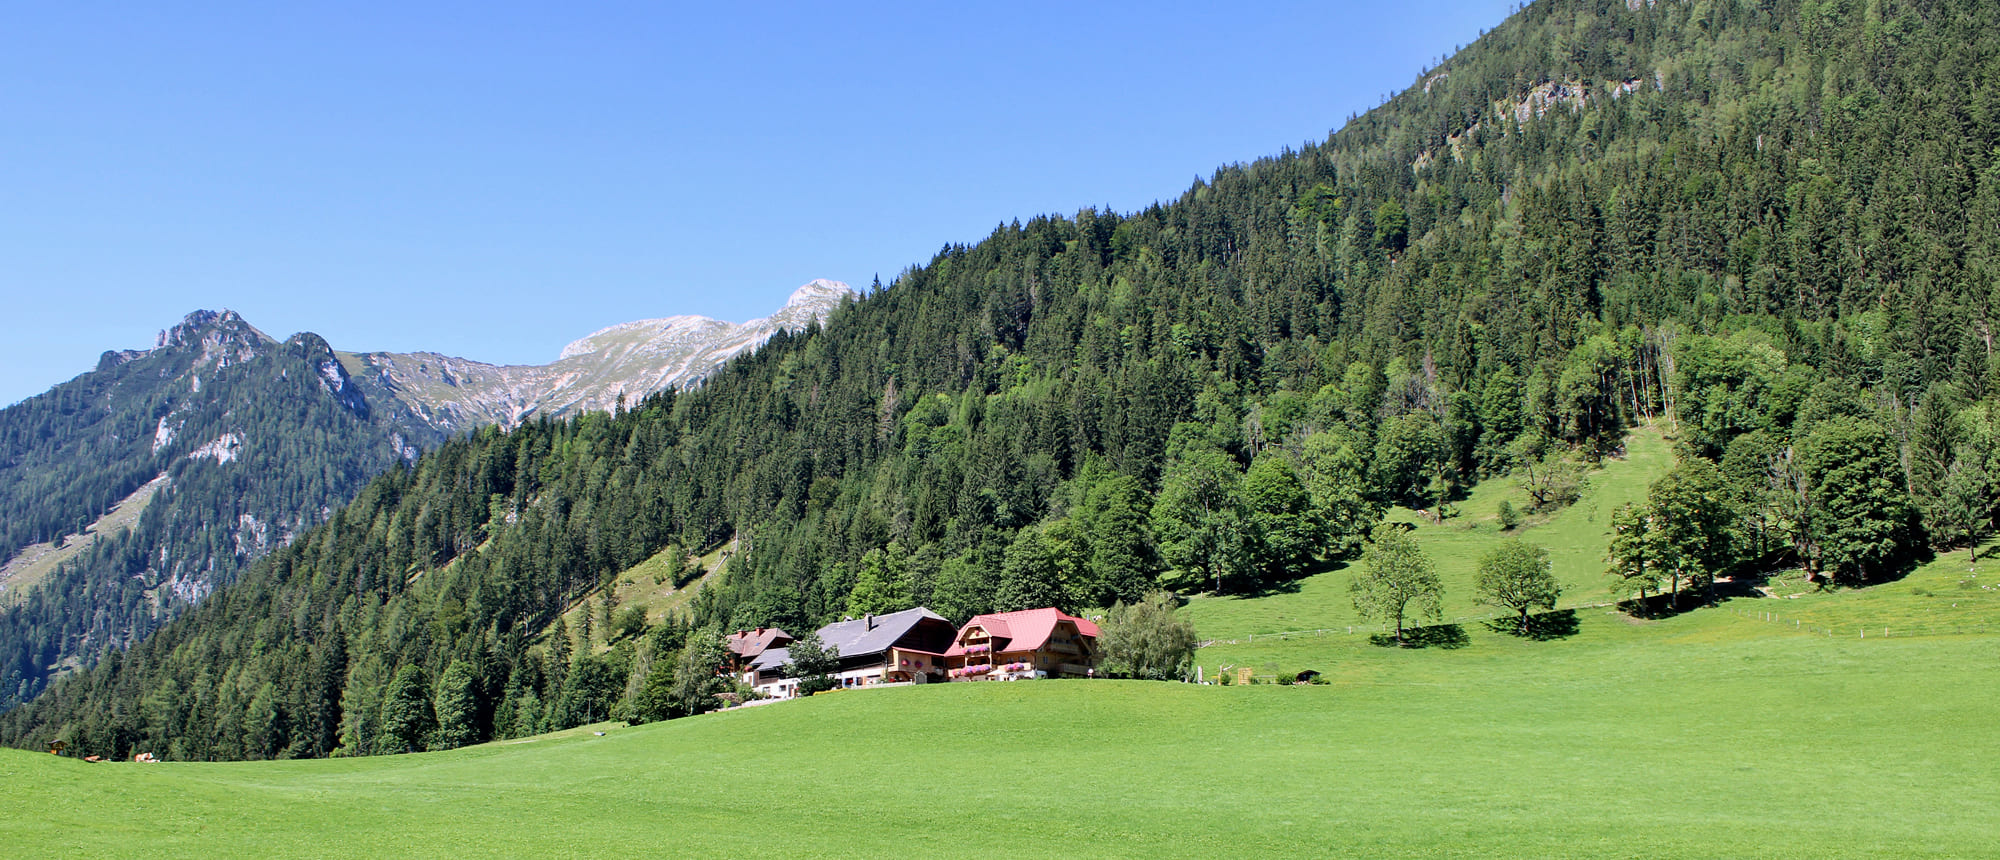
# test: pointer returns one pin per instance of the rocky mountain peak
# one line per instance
(223, 337)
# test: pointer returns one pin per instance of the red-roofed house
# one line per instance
(1032, 643)
(745, 645)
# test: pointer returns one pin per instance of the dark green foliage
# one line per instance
(1148, 639)
(456, 708)
(813, 662)
(1284, 533)
(698, 676)
(1760, 234)
(1862, 515)
(407, 719)
(298, 436)
(1509, 518)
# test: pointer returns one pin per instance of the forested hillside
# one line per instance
(247, 441)
(1772, 223)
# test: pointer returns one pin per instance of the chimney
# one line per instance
(870, 618)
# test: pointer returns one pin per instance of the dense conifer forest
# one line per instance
(247, 441)
(1772, 223)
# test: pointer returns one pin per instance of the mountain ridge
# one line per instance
(233, 442)
(626, 361)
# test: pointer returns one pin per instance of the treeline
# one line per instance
(1210, 394)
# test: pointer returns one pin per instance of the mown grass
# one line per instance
(1716, 732)
(1703, 735)
(1950, 595)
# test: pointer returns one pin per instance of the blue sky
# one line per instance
(495, 180)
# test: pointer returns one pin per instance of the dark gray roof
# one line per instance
(861, 637)
(772, 658)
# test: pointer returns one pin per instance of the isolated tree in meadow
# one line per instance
(1516, 576)
(1148, 639)
(1396, 579)
(813, 662)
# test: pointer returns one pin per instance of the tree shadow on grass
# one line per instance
(1446, 636)
(1292, 584)
(1542, 626)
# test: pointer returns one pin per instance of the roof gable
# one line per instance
(1024, 630)
(875, 634)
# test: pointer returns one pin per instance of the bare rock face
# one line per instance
(629, 360)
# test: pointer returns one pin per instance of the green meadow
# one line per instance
(1704, 735)
(1755, 728)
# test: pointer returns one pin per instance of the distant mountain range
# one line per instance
(134, 490)
(628, 360)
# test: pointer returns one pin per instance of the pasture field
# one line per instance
(1760, 727)
(1703, 735)
(1576, 537)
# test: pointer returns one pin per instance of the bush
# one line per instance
(1148, 640)
(1287, 679)
(1510, 519)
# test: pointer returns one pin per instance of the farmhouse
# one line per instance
(906, 646)
(745, 645)
(1032, 643)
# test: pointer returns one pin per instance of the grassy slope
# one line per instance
(20, 575)
(1714, 733)
(1705, 735)
(1576, 538)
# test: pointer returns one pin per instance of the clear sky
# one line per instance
(493, 180)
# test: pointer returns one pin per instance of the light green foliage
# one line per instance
(1550, 476)
(1148, 639)
(883, 585)
(1335, 474)
(1690, 515)
(1396, 579)
(1285, 535)
(1198, 518)
(1410, 457)
(1516, 576)
(1634, 553)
